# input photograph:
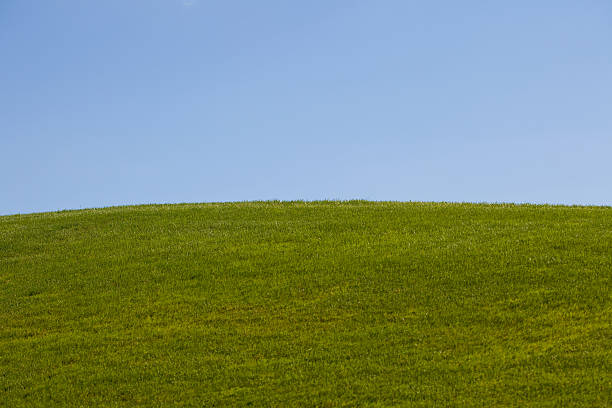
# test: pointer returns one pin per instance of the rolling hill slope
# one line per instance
(307, 304)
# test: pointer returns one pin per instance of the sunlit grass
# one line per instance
(308, 304)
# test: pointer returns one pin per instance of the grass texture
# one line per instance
(307, 304)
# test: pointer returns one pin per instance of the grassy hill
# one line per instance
(307, 304)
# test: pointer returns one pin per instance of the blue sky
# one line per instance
(122, 102)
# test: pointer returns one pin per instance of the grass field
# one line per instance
(307, 304)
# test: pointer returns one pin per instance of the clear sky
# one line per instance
(155, 101)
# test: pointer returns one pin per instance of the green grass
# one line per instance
(307, 304)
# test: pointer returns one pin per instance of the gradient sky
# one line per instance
(123, 101)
